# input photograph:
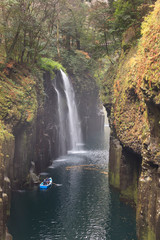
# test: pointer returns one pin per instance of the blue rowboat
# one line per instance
(47, 182)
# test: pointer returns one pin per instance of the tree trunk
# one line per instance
(58, 50)
(24, 46)
(106, 44)
(9, 52)
(78, 44)
(68, 44)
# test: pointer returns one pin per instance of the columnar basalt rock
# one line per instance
(148, 206)
(124, 171)
(6, 160)
(115, 162)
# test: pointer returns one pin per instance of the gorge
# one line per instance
(111, 52)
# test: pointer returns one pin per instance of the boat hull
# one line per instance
(46, 186)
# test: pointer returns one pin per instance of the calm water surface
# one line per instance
(81, 206)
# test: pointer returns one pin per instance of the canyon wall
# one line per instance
(22, 111)
(89, 105)
(135, 118)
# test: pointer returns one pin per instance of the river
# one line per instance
(80, 206)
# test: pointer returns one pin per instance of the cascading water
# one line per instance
(62, 132)
(74, 125)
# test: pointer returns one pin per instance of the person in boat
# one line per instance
(44, 182)
(48, 180)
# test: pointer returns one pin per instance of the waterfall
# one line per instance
(74, 125)
(61, 115)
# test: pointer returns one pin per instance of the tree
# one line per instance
(126, 14)
(101, 21)
(27, 27)
(72, 23)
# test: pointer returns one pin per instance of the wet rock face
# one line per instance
(89, 106)
(124, 171)
(6, 168)
(115, 162)
(24, 150)
(47, 127)
(148, 205)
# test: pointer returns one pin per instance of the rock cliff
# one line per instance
(135, 119)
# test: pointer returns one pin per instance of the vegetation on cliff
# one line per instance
(49, 65)
(18, 106)
(137, 85)
(18, 95)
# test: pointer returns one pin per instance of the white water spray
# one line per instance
(75, 134)
(62, 132)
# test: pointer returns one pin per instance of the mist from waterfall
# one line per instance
(74, 125)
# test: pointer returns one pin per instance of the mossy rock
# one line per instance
(48, 64)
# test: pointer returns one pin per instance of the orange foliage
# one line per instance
(84, 53)
(10, 65)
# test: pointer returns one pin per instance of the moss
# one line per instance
(114, 179)
(130, 193)
(105, 75)
(151, 234)
(50, 65)
(148, 234)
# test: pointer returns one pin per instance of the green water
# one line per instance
(81, 206)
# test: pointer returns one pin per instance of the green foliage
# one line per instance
(72, 23)
(32, 29)
(105, 75)
(80, 66)
(126, 14)
(77, 62)
(101, 20)
(50, 65)
(23, 25)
